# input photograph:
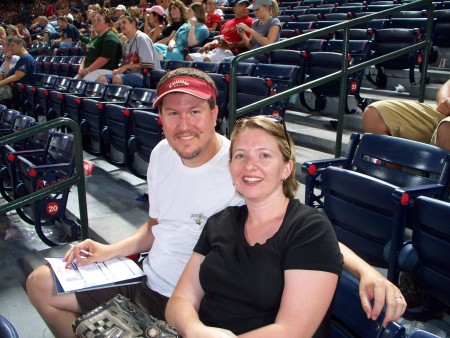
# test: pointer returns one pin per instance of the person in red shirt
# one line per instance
(212, 20)
(229, 41)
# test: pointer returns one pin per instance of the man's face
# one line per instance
(240, 10)
(119, 13)
(14, 48)
(188, 124)
(62, 24)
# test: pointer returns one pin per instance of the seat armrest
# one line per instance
(310, 167)
(406, 196)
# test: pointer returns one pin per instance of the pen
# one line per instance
(87, 253)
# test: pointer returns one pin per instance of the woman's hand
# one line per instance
(373, 286)
(242, 28)
(88, 252)
(193, 21)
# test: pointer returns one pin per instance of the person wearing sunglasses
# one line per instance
(268, 268)
(188, 182)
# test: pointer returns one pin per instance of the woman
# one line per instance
(191, 34)
(265, 29)
(266, 269)
(138, 53)
(155, 22)
(177, 17)
(104, 51)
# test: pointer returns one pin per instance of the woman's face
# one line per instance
(257, 166)
(261, 11)
(175, 13)
(210, 6)
(191, 13)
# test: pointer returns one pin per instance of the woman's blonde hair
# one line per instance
(274, 127)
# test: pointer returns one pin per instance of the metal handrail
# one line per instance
(77, 179)
(343, 74)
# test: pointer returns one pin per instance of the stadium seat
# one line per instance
(74, 99)
(7, 121)
(207, 67)
(426, 257)
(117, 130)
(55, 105)
(31, 104)
(392, 39)
(93, 119)
(283, 77)
(146, 133)
(38, 170)
(7, 330)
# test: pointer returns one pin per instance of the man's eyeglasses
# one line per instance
(273, 118)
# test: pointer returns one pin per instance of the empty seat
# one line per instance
(146, 133)
(426, 256)
(74, 98)
(93, 119)
(117, 130)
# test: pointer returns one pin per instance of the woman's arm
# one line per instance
(374, 287)
(156, 31)
(167, 39)
(183, 305)
(192, 39)
(271, 37)
(307, 295)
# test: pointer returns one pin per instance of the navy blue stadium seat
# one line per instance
(152, 78)
(34, 99)
(7, 121)
(441, 29)
(93, 119)
(221, 82)
(55, 105)
(146, 133)
(74, 98)
(7, 330)
(117, 130)
(425, 257)
(207, 67)
(251, 89)
(39, 169)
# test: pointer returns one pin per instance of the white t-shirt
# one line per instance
(12, 64)
(182, 199)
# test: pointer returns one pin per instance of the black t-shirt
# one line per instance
(168, 30)
(243, 284)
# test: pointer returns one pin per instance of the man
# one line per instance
(118, 12)
(23, 70)
(104, 51)
(10, 58)
(230, 41)
(68, 33)
(138, 52)
(45, 28)
(188, 181)
(412, 120)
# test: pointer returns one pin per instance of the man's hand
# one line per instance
(88, 252)
(374, 287)
(444, 106)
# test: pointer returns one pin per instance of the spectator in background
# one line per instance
(2, 34)
(23, 71)
(212, 20)
(176, 18)
(412, 120)
(191, 34)
(265, 28)
(68, 33)
(46, 30)
(118, 12)
(230, 42)
(24, 33)
(10, 58)
(155, 21)
(138, 52)
(104, 51)
(136, 13)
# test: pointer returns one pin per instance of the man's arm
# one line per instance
(16, 77)
(373, 287)
(139, 241)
